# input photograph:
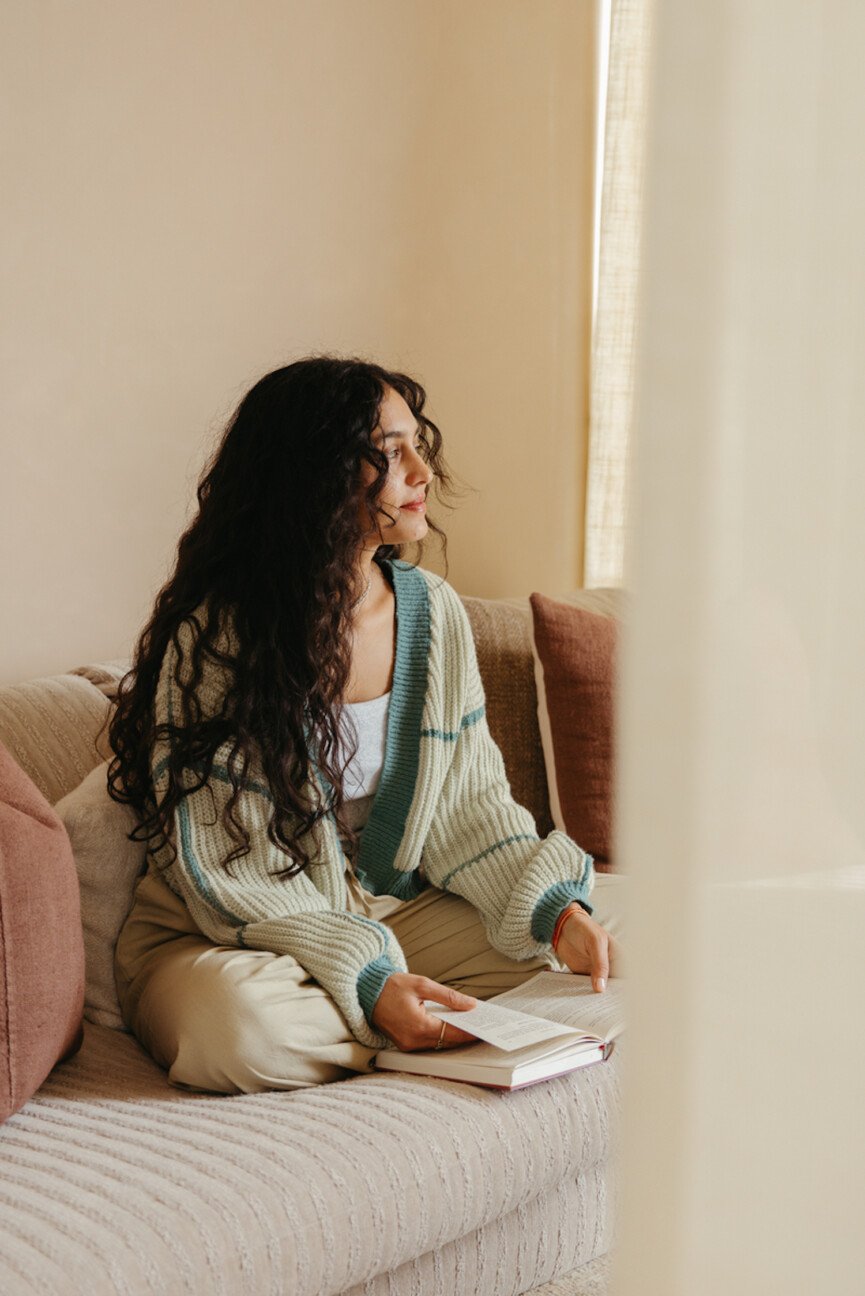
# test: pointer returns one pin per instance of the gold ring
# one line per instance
(441, 1038)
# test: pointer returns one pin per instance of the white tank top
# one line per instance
(367, 723)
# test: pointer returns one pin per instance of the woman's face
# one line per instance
(402, 503)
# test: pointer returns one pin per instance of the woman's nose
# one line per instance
(419, 469)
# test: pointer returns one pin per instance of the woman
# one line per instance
(331, 836)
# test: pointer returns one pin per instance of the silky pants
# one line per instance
(230, 1020)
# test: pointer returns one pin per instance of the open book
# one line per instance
(551, 1024)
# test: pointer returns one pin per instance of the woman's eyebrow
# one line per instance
(387, 435)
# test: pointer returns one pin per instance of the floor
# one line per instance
(589, 1280)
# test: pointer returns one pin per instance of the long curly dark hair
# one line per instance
(274, 546)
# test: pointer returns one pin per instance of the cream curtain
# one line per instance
(612, 381)
(741, 806)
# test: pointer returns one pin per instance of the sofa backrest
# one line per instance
(50, 727)
(54, 726)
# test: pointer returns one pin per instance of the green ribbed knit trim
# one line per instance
(546, 912)
(499, 845)
(370, 983)
(383, 831)
(197, 873)
(449, 735)
(219, 772)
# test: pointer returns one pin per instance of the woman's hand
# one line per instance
(586, 947)
(400, 1015)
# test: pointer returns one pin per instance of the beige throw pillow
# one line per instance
(108, 866)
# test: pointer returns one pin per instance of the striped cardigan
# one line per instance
(443, 801)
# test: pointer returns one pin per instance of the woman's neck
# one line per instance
(375, 593)
(373, 641)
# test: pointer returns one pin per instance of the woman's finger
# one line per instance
(600, 962)
(449, 1036)
(447, 997)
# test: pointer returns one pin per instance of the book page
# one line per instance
(506, 1028)
(568, 998)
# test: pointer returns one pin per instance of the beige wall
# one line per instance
(503, 216)
(198, 192)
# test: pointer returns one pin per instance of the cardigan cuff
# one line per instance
(546, 912)
(370, 983)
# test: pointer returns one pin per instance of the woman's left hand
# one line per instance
(585, 947)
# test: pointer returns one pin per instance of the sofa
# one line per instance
(112, 1181)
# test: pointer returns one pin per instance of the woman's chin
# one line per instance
(408, 529)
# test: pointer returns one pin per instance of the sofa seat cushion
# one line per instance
(122, 1183)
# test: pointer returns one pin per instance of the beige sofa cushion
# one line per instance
(503, 641)
(51, 727)
(108, 865)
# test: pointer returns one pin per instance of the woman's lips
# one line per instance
(418, 506)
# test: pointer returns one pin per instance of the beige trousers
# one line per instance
(242, 1021)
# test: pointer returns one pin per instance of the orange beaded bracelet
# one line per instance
(560, 922)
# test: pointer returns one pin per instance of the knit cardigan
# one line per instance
(443, 801)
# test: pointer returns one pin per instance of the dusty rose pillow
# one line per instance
(574, 653)
(41, 945)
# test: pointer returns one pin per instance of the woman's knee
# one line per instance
(243, 1022)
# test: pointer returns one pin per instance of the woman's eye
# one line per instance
(420, 449)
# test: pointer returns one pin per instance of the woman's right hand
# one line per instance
(400, 1015)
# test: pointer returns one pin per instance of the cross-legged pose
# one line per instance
(330, 832)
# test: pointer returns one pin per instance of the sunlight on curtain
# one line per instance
(611, 399)
(742, 814)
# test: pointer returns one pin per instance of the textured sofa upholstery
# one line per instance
(112, 1181)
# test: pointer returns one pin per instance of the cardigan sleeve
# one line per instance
(247, 905)
(484, 846)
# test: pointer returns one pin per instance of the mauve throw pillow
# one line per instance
(574, 653)
(41, 946)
